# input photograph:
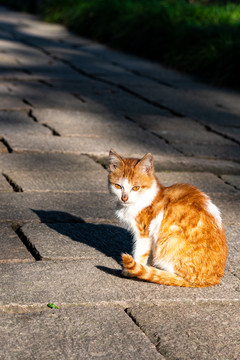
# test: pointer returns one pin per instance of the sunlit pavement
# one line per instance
(64, 102)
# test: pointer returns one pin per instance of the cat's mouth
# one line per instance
(125, 203)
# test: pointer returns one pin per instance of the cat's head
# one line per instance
(129, 178)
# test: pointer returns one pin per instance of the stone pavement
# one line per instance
(64, 102)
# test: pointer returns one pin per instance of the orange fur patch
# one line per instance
(188, 239)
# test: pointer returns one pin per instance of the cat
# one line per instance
(179, 238)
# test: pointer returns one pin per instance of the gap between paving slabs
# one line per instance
(12, 183)
(20, 233)
(102, 332)
(53, 131)
(6, 145)
(171, 111)
(179, 150)
(157, 104)
(33, 250)
(30, 247)
(95, 53)
(14, 308)
(30, 308)
(19, 228)
(98, 78)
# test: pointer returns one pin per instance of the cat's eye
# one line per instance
(117, 186)
(136, 188)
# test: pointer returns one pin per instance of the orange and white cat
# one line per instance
(179, 238)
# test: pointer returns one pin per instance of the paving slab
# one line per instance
(232, 133)
(227, 152)
(88, 206)
(18, 122)
(233, 266)
(9, 101)
(233, 237)
(12, 249)
(206, 182)
(224, 99)
(10, 66)
(35, 94)
(65, 52)
(96, 281)
(228, 205)
(233, 241)
(184, 104)
(5, 34)
(193, 164)
(24, 62)
(6, 59)
(56, 207)
(86, 86)
(43, 67)
(142, 67)
(86, 241)
(58, 241)
(135, 106)
(95, 332)
(12, 17)
(180, 130)
(74, 41)
(191, 137)
(54, 172)
(74, 181)
(100, 97)
(86, 62)
(125, 79)
(233, 180)
(132, 142)
(188, 164)
(4, 185)
(12, 46)
(7, 73)
(76, 123)
(3, 148)
(234, 256)
(187, 104)
(48, 162)
(97, 67)
(183, 331)
(32, 26)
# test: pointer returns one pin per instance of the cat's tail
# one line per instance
(153, 274)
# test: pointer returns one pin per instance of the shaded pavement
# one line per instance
(64, 102)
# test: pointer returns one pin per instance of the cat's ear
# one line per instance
(115, 161)
(146, 164)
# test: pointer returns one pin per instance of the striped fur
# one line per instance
(178, 234)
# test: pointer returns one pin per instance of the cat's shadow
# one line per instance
(111, 240)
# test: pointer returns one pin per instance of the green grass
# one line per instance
(201, 37)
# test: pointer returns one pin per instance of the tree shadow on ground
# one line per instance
(111, 240)
(82, 79)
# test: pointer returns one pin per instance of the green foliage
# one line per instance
(197, 36)
(52, 306)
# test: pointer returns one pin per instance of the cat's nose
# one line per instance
(124, 197)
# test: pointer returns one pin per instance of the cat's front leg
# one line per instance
(141, 252)
(141, 249)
